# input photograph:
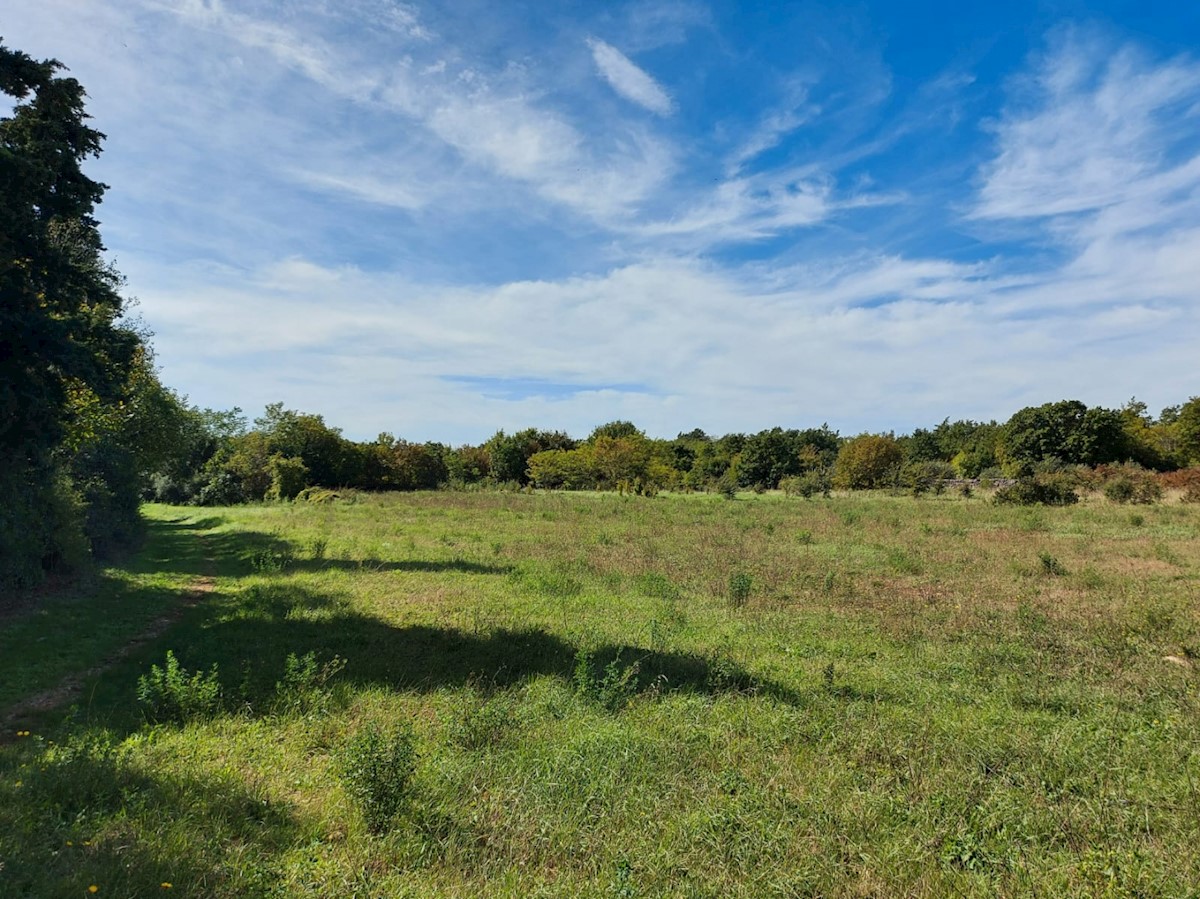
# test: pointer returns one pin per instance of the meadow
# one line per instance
(604, 696)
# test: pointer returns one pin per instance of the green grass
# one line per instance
(900, 698)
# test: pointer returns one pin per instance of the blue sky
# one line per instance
(444, 219)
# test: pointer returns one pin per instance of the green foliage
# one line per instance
(740, 586)
(289, 475)
(926, 476)
(508, 455)
(376, 766)
(616, 430)
(40, 526)
(1132, 484)
(867, 462)
(770, 456)
(483, 725)
(611, 689)
(807, 485)
(1050, 565)
(558, 469)
(1044, 490)
(304, 689)
(79, 404)
(172, 693)
(1066, 430)
(1187, 429)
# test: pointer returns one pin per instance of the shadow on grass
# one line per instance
(177, 546)
(173, 828)
(462, 566)
(274, 620)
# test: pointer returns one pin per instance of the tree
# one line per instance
(1187, 428)
(1067, 430)
(59, 323)
(616, 430)
(64, 353)
(868, 461)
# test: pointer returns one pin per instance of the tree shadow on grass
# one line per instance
(174, 546)
(271, 621)
(461, 566)
(130, 831)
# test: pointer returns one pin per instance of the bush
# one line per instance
(923, 477)
(1051, 565)
(1186, 480)
(806, 485)
(221, 488)
(1045, 490)
(172, 693)
(1140, 491)
(376, 767)
(289, 475)
(41, 526)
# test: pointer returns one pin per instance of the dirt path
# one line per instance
(12, 719)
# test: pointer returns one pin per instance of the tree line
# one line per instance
(288, 452)
(88, 431)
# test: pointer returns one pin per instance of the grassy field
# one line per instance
(620, 697)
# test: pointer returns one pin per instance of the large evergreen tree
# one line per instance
(63, 349)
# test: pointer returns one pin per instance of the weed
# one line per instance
(740, 585)
(271, 561)
(828, 676)
(85, 775)
(172, 693)
(479, 725)
(376, 766)
(613, 689)
(804, 538)
(1051, 565)
(304, 688)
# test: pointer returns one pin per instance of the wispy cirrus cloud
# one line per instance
(1094, 125)
(371, 211)
(628, 80)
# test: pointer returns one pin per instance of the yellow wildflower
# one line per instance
(93, 889)
(165, 885)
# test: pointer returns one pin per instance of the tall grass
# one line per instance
(607, 696)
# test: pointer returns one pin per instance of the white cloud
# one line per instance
(865, 341)
(628, 80)
(1094, 127)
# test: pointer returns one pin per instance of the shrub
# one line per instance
(1125, 489)
(1130, 484)
(1186, 479)
(172, 693)
(376, 766)
(922, 477)
(740, 585)
(220, 488)
(289, 475)
(806, 485)
(1045, 490)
